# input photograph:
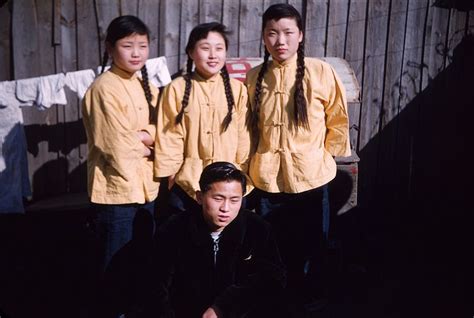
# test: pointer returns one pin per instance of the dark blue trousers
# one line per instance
(300, 222)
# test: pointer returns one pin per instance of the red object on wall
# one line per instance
(238, 66)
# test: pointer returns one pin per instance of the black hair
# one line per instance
(221, 171)
(277, 12)
(120, 28)
(198, 33)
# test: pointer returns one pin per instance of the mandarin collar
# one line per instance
(123, 74)
(285, 63)
(211, 79)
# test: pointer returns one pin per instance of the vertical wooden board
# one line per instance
(230, 18)
(250, 20)
(387, 165)
(149, 12)
(337, 25)
(298, 4)
(106, 10)
(88, 53)
(189, 19)
(354, 42)
(394, 61)
(315, 33)
(88, 39)
(210, 11)
(72, 126)
(354, 48)
(57, 22)
(267, 3)
(25, 42)
(435, 43)
(412, 52)
(52, 171)
(34, 56)
(411, 83)
(170, 33)
(372, 91)
(129, 7)
(426, 47)
(44, 10)
(5, 45)
(57, 134)
(457, 30)
(372, 94)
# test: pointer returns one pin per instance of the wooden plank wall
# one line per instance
(396, 48)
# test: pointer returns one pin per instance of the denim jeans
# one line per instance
(114, 225)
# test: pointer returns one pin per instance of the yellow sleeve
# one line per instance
(243, 147)
(169, 141)
(337, 120)
(110, 129)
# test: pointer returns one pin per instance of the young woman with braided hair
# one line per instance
(119, 116)
(201, 118)
(299, 123)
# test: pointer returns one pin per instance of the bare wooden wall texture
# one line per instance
(396, 48)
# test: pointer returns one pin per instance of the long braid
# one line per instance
(187, 90)
(229, 96)
(301, 111)
(146, 88)
(258, 92)
(105, 59)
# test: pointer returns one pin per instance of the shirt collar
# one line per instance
(211, 79)
(287, 62)
(123, 74)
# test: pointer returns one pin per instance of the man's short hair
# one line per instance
(221, 171)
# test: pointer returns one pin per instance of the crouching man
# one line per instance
(219, 261)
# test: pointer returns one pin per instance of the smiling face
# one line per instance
(282, 38)
(209, 54)
(130, 53)
(221, 203)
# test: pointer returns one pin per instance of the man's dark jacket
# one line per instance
(247, 273)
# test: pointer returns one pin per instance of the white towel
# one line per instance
(158, 72)
(79, 81)
(7, 94)
(42, 92)
(27, 91)
(51, 91)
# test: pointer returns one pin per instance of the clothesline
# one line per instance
(45, 91)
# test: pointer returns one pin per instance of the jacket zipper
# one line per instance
(216, 249)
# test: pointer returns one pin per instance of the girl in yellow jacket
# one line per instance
(201, 117)
(300, 122)
(118, 114)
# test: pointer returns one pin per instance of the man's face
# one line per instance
(221, 203)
